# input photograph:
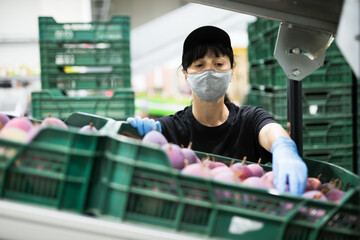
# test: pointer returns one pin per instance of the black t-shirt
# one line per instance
(235, 138)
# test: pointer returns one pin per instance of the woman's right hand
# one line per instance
(144, 125)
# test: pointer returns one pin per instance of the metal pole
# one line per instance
(294, 112)
(356, 122)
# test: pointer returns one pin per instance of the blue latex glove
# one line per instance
(144, 125)
(288, 166)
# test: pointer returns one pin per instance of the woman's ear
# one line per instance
(183, 71)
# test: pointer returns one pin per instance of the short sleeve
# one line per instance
(261, 117)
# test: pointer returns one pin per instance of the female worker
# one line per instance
(215, 125)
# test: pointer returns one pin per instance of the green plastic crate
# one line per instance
(264, 74)
(261, 27)
(338, 72)
(102, 124)
(340, 155)
(134, 182)
(118, 28)
(100, 78)
(263, 47)
(54, 102)
(53, 170)
(333, 51)
(324, 131)
(251, 30)
(320, 102)
(65, 54)
(335, 72)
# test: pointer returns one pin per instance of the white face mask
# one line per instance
(209, 85)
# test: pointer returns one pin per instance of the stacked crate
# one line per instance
(94, 57)
(327, 96)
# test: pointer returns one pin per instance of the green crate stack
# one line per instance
(262, 36)
(91, 56)
(327, 96)
(119, 106)
(317, 102)
(270, 75)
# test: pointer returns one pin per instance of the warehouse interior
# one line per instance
(47, 70)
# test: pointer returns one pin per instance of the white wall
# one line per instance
(161, 40)
(19, 25)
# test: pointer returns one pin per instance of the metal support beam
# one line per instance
(299, 52)
(294, 112)
(319, 15)
(356, 122)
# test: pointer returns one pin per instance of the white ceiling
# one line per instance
(160, 40)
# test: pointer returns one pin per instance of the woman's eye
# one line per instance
(219, 64)
(198, 65)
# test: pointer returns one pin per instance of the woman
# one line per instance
(215, 125)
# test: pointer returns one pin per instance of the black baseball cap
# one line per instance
(206, 35)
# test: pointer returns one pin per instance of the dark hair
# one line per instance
(200, 51)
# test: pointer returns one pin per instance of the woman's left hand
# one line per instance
(288, 167)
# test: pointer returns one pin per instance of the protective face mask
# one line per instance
(209, 85)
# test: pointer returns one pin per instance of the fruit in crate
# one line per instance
(268, 177)
(16, 129)
(197, 169)
(189, 154)
(212, 163)
(312, 183)
(175, 155)
(13, 134)
(32, 133)
(88, 128)
(315, 189)
(227, 176)
(256, 182)
(314, 194)
(327, 191)
(154, 137)
(334, 195)
(332, 192)
(20, 123)
(53, 121)
(252, 175)
(327, 186)
(242, 170)
(218, 170)
(3, 120)
(256, 169)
